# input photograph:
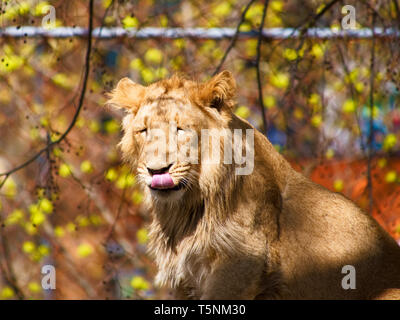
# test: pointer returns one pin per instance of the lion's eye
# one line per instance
(142, 132)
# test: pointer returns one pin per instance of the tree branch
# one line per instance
(78, 109)
(9, 275)
(259, 84)
(371, 119)
(234, 38)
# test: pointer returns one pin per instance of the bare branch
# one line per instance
(371, 119)
(259, 84)
(78, 109)
(9, 274)
(234, 38)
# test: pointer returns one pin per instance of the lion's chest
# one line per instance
(183, 269)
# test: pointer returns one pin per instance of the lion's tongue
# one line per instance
(162, 181)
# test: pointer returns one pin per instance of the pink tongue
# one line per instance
(162, 181)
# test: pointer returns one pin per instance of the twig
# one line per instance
(259, 84)
(397, 9)
(316, 17)
(352, 90)
(371, 119)
(112, 227)
(303, 30)
(80, 103)
(10, 274)
(234, 38)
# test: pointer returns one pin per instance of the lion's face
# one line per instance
(163, 128)
(161, 131)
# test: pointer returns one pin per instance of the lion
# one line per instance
(216, 234)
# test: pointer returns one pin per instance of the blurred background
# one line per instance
(330, 105)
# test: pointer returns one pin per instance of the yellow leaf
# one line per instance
(255, 12)
(314, 99)
(269, 101)
(142, 236)
(137, 197)
(7, 293)
(391, 176)
(23, 8)
(130, 22)
(28, 247)
(276, 5)
(163, 21)
(45, 205)
(71, 227)
(125, 180)
(147, 75)
(30, 229)
(136, 64)
(382, 163)
(245, 27)
(251, 47)
(389, 142)
(65, 170)
(316, 120)
(106, 3)
(94, 126)
(82, 221)
(349, 106)
(62, 80)
(290, 54)
(359, 86)
(242, 112)
(338, 185)
(298, 113)
(111, 174)
(84, 250)
(179, 43)
(86, 166)
(37, 218)
(111, 126)
(329, 153)
(34, 287)
(39, 9)
(95, 219)
(59, 231)
(139, 283)
(223, 9)
(153, 55)
(43, 250)
(317, 51)
(279, 80)
(10, 188)
(14, 217)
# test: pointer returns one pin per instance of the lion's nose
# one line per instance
(159, 170)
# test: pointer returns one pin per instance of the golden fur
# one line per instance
(272, 234)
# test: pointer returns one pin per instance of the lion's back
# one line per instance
(321, 232)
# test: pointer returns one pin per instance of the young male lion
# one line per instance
(269, 234)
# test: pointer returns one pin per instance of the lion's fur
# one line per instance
(270, 234)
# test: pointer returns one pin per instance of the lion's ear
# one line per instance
(127, 95)
(220, 90)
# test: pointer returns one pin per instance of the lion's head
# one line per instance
(164, 133)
